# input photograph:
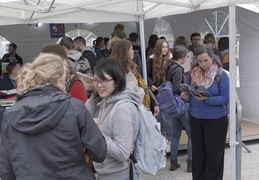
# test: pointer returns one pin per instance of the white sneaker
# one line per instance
(168, 146)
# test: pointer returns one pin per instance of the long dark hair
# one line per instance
(159, 60)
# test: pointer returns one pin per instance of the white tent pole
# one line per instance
(232, 59)
(142, 40)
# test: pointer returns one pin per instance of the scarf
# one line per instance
(205, 78)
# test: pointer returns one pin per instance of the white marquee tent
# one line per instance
(51, 11)
(145, 12)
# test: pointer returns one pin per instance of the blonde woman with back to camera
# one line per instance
(45, 131)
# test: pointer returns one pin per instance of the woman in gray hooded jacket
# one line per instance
(120, 130)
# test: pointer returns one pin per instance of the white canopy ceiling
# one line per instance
(80, 11)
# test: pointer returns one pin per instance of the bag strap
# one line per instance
(218, 77)
(132, 158)
(71, 59)
(171, 70)
(136, 73)
(122, 101)
(71, 82)
(101, 122)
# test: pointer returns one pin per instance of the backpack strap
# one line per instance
(218, 77)
(71, 59)
(71, 82)
(170, 71)
(122, 101)
(132, 158)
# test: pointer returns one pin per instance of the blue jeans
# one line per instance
(166, 125)
(177, 126)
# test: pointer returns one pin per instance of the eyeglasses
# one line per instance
(104, 82)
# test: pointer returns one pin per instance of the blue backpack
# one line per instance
(149, 149)
(171, 104)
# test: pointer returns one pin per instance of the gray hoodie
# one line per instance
(120, 131)
(75, 55)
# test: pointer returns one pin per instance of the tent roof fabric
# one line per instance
(81, 11)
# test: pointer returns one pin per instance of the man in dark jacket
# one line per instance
(8, 83)
(12, 55)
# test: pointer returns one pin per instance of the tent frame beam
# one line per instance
(152, 8)
(31, 3)
(74, 10)
(170, 3)
(21, 7)
(88, 5)
(199, 3)
(50, 6)
(32, 14)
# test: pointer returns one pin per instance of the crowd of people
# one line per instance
(65, 96)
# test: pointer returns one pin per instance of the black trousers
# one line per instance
(208, 147)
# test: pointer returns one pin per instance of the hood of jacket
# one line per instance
(224, 51)
(38, 110)
(91, 49)
(75, 55)
(132, 91)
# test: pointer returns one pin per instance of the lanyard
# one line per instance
(14, 84)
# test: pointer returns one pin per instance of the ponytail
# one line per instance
(45, 69)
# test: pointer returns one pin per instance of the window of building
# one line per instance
(163, 29)
(3, 46)
(89, 36)
(217, 23)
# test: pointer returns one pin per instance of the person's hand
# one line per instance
(185, 95)
(96, 120)
(95, 92)
(200, 97)
(156, 111)
(111, 42)
(154, 88)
